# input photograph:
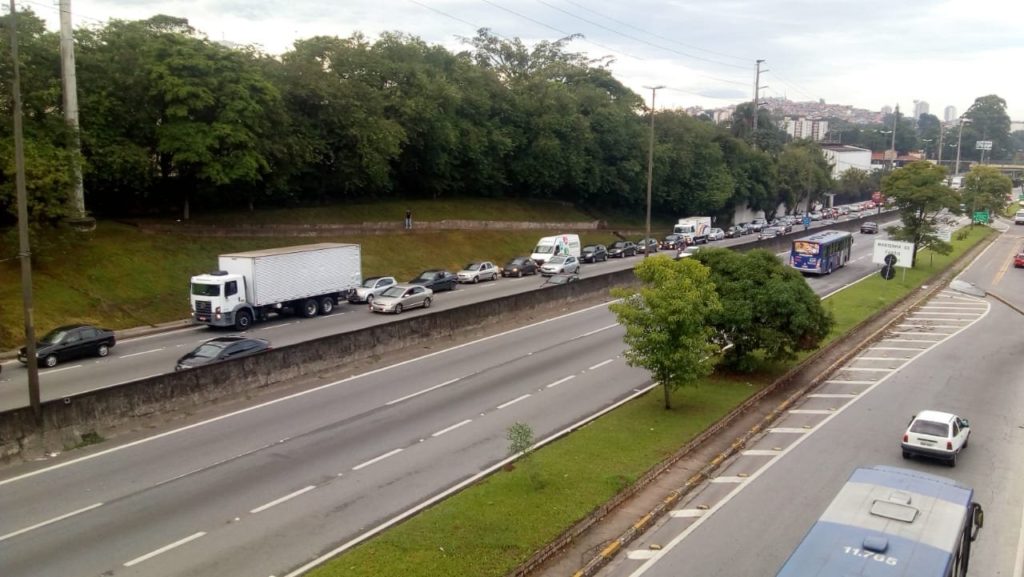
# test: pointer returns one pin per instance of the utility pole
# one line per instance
(939, 153)
(959, 137)
(650, 169)
(24, 252)
(70, 89)
(892, 147)
(757, 96)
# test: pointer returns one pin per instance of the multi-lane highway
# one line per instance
(266, 489)
(142, 357)
(957, 353)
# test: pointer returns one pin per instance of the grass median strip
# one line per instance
(492, 527)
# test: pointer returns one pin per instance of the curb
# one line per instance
(894, 313)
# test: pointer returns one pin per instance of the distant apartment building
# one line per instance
(843, 157)
(809, 128)
(886, 110)
(949, 115)
(920, 107)
(1016, 125)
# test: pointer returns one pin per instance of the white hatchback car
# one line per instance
(937, 435)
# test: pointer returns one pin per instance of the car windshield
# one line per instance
(370, 282)
(619, 245)
(517, 261)
(55, 337)
(933, 428)
(208, 350)
(427, 276)
(557, 260)
(473, 266)
(589, 248)
(544, 249)
(395, 291)
(205, 290)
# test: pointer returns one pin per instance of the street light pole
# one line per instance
(892, 147)
(958, 139)
(650, 169)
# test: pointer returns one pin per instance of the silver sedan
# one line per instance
(401, 297)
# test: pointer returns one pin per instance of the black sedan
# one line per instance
(671, 242)
(221, 349)
(519, 266)
(594, 253)
(869, 228)
(70, 342)
(436, 280)
(647, 245)
(622, 248)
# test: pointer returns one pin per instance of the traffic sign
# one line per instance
(902, 251)
(944, 234)
(981, 217)
(890, 260)
(983, 145)
(888, 272)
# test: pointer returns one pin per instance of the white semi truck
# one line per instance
(694, 229)
(250, 286)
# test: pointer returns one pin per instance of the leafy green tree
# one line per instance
(928, 127)
(768, 310)
(667, 321)
(985, 188)
(920, 193)
(768, 137)
(854, 184)
(754, 175)
(988, 121)
(804, 174)
(691, 174)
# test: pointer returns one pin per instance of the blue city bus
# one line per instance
(891, 522)
(822, 252)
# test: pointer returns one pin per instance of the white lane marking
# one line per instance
(831, 396)
(52, 371)
(729, 479)
(142, 353)
(950, 307)
(162, 334)
(45, 523)
(452, 428)
(896, 349)
(963, 314)
(283, 499)
(810, 412)
(686, 532)
(560, 381)
(513, 401)
(165, 548)
(789, 430)
(687, 513)
(877, 359)
(275, 326)
(1018, 566)
(839, 382)
(909, 341)
(920, 334)
(760, 453)
(601, 364)
(376, 459)
(424, 391)
(868, 369)
(932, 326)
(595, 331)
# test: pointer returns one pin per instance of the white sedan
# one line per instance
(716, 234)
(475, 272)
(560, 265)
(937, 435)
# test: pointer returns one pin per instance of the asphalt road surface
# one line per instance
(268, 488)
(142, 357)
(957, 353)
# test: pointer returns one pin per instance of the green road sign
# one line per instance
(981, 217)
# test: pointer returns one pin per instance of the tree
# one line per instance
(919, 191)
(854, 184)
(768, 309)
(804, 174)
(989, 121)
(666, 320)
(985, 188)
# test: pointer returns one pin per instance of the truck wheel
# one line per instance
(309, 308)
(243, 320)
(326, 305)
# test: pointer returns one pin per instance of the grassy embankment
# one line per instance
(493, 526)
(119, 278)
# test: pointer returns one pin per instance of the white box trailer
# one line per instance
(249, 286)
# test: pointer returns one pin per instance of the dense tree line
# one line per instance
(172, 122)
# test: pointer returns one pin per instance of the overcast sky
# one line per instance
(867, 53)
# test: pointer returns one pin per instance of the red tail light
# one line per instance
(949, 445)
(906, 437)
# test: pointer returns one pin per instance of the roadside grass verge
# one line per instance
(119, 277)
(490, 528)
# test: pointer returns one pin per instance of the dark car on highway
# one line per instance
(734, 232)
(647, 245)
(221, 349)
(70, 342)
(436, 280)
(594, 253)
(622, 248)
(519, 266)
(671, 242)
(869, 228)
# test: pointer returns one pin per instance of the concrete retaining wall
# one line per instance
(100, 411)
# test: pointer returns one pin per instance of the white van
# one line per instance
(549, 246)
(1019, 217)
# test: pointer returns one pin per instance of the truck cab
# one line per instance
(215, 297)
